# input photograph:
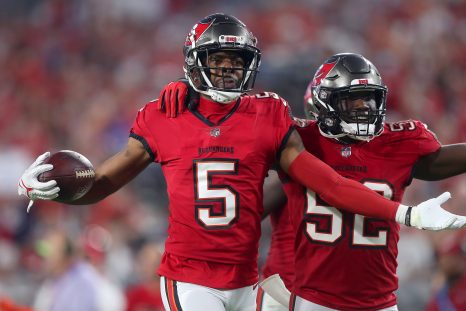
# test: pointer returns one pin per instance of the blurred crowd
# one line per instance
(75, 72)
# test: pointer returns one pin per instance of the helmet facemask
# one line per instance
(222, 84)
(359, 112)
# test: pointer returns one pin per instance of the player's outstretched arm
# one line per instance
(116, 172)
(448, 161)
(109, 176)
(352, 196)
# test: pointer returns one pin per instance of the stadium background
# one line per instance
(74, 73)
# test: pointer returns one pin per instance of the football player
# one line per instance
(353, 265)
(215, 156)
(347, 99)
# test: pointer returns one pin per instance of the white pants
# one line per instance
(267, 303)
(178, 296)
(301, 304)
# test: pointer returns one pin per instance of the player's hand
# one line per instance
(430, 215)
(173, 98)
(31, 187)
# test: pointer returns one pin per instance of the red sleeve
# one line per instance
(140, 130)
(427, 141)
(338, 191)
(284, 124)
(412, 137)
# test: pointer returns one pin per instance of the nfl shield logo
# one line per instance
(346, 151)
(215, 132)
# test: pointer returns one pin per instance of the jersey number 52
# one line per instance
(336, 226)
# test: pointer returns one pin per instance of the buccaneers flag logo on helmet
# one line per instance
(197, 31)
(322, 73)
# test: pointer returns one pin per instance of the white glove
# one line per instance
(31, 187)
(430, 215)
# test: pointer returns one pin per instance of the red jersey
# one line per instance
(347, 261)
(280, 258)
(214, 159)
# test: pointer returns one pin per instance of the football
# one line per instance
(73, 173)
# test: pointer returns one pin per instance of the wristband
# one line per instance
(408, 216)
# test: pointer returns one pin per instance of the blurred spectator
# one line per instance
(450, 294)
(75, 72)
(71, 282)
(8, 305)
(145, 294)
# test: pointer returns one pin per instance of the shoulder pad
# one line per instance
(409, 129)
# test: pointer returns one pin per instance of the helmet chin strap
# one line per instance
(217, 96)
(222, 97)
(351, 130)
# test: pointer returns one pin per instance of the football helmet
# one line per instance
(347, 97)
(214, 33)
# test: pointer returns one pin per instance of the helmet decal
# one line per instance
(322, 72)
(197, 31)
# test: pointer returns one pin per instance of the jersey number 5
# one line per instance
(335, 218)
(207, 193)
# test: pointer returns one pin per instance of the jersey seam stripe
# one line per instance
(145, 144)
(284, 141)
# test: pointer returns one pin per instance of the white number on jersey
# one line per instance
(335, 230)
(402, 126)
(267, 95)
(206, 192)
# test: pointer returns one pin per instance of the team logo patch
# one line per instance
(346, 151)
(215, 132)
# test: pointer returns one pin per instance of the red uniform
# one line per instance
(346, 261)
(214, 160)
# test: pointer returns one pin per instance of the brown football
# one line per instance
(73, 173)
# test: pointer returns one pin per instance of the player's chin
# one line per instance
(229, 84)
